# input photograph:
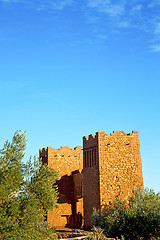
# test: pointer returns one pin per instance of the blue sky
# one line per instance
(69, 68)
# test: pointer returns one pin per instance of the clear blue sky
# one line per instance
(69, 68)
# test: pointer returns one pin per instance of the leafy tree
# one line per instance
(139, 218)
(27, 191)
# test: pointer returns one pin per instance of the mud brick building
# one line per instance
(68, 162)
(109, 167)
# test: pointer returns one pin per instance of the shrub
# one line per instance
(139, 218)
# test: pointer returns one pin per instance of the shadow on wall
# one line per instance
(68, 190)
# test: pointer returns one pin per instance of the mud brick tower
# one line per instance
(111, 168)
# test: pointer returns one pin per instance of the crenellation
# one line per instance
(118, 133)
(43, 150)
(78, 148)
(135, 132)
(85, 138)
(91, 136)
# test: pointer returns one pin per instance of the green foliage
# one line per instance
(139, 218)
(27, 191)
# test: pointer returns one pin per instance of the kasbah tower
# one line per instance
(108, 166)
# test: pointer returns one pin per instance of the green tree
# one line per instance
(139, 218)
(27, 191)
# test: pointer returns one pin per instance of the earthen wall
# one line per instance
(64, 160)
(120, 168)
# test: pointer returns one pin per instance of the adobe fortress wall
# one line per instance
(65, 160)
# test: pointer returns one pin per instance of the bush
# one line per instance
(139, 218)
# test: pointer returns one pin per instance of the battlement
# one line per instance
(78, 148)
(62, 149)
(133, 133)
(64, 159)
(43, 152)
(91, 136)
(115, 133)
(122, 133)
